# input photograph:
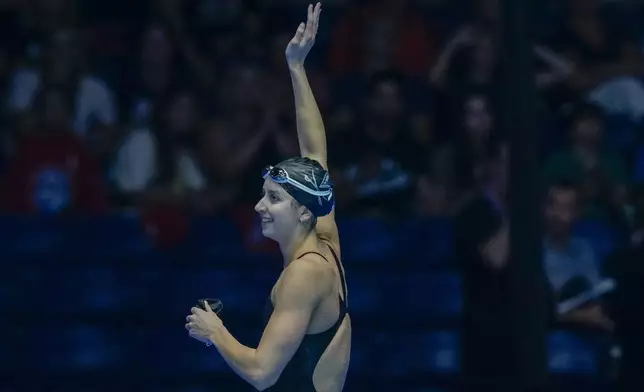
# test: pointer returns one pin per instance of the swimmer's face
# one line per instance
(278, 211)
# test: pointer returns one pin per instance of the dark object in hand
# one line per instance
(215, 304)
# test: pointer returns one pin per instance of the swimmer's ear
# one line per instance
(306, 215)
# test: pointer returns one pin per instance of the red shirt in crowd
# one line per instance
(413, 46)
(53, 173)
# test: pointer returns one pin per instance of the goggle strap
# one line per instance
(307, 189)
(297, 184)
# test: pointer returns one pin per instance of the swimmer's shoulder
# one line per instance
(309, 273)
(332, 244)
(327, 231)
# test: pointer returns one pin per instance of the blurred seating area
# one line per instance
(114, 105)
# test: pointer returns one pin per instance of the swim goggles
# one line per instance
(280, 176)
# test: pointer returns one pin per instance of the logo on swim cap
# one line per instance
(323, 186)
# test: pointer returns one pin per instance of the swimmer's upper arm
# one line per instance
(327, 229)
(302, 286)
(311, 136)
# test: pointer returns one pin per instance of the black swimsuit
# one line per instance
(298, 373)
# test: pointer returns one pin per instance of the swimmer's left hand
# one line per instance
(202, 324)
(304, 37)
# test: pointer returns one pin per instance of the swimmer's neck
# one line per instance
(298, 245)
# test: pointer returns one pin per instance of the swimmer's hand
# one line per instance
(304, 37)
(202, 323)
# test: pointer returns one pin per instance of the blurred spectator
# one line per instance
(468, 64)
(51, 171)
(103, 142)
(555, 69)
(600, 171)
(64, 68)
(201, 71)
(244, 93)
(41, 19)
(129, 161)
(164, 161)
(627, 268)
(474, 140)
(466, 76)
(570, 262)
(218, 13)
(431, 162)
(384, 35)
(151, 77)
(231, 158)
(374, 175)
(278, 94)
(482, 251)
(606, 58)
(432, 198)
(486, 12)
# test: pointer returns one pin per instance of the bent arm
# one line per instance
(438, 73)
(299, 292)
(592, 316)
(559, 70)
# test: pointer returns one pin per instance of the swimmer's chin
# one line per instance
(268, 230)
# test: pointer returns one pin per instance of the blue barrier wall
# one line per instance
(90, 304)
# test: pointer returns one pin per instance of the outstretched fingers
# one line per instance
(316, 18)
(310, 25)
(312, 21)
(299, 34)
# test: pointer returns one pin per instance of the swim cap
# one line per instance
(306, 181)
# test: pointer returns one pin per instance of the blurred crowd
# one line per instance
(114, 104)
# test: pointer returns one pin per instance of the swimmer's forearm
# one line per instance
(310, 127)
(240, 358)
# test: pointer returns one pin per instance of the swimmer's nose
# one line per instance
(259, 207)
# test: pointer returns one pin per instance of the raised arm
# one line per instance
(310, 127)
(439, 72)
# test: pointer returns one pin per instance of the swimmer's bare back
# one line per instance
(331, 371)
